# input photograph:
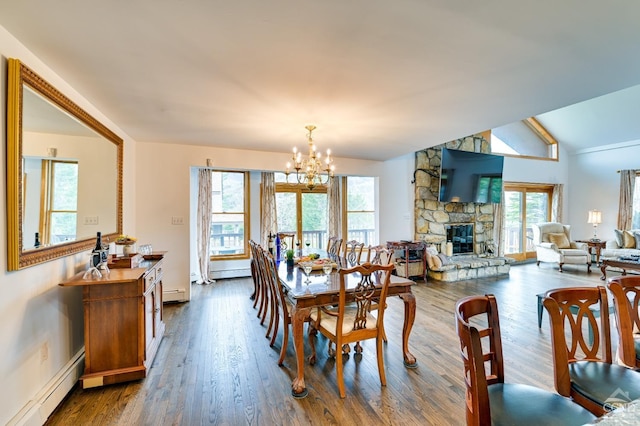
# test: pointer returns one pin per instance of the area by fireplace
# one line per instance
(460, 235)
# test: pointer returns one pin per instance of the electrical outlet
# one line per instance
(91, 220)
(177, 220)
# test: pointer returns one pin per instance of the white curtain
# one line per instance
(625, 205)
(334, 219)
(203, 224)
(498, 228)
(556, 203)
(268, 219)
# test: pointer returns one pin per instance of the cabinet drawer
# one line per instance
(149, 279)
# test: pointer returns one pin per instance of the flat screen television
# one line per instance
(470, 177)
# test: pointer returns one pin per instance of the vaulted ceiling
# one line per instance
(378, 78)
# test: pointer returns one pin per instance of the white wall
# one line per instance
(595, 183)
(41, 324)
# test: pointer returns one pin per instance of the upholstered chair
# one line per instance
(553, 244)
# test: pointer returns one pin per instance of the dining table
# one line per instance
(317, 289)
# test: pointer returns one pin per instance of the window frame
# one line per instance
(246, 214)
(346, 211)
(47, 199)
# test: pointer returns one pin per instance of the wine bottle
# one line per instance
(271, 243)
(36, 244)
(96, 253)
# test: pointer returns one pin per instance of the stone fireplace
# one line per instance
(468, 227)
(433, 218)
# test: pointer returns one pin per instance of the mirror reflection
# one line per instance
(64, 172)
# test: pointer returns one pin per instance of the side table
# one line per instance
(596, 245)
(413, 263)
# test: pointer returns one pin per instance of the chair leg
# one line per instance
(312, 342)
(340, 374)
(588, 268)
(560, 267)
(276, 325)
(285, 342)
(383, 377)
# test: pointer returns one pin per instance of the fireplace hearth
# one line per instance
(460, 235)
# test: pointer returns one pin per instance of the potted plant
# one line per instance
(289, 257)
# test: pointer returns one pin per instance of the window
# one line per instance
(60, 201)
(526, 138)
(302, 212)
(230, 215)
(635, 221)
(360, 222)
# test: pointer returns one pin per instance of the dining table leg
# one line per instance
(298, 317)
(409, 316)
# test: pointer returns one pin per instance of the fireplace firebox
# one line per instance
(460, 235)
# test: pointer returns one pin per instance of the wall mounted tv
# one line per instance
(470, 177)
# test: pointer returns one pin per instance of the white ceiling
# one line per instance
(378, 78)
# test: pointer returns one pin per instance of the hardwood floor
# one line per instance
(215, 365)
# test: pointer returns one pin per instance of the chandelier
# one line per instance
(311, 171)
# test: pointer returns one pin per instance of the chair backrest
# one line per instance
(542, 230)
(353, 251)
(334, 246)
(379, 255)
(473, 312)
(286, 241)
(372, 278)
(571, 310)
(626, 298)
(273, 282)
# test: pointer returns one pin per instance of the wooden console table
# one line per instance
(123, 323)
(410, 266)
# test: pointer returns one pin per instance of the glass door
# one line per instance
(524, 205)
(303, 213)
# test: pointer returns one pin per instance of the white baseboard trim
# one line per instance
(174, 295)
(37, 411)
(230, 273)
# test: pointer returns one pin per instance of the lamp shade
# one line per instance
(595, 217)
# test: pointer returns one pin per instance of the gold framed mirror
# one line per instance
(64, 173)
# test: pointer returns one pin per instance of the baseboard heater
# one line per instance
(174, 295)
(230, 273)
(38, 410)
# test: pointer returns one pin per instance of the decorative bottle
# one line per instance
(271, 243)
(278, 247)
(96, 253)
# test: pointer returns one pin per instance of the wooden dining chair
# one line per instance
(353, 252)
(379, 254)
(353, 322)
(489, 400)
(281, 306)
(583, 368)
(334, 246)
(626, 298)
(287, 241)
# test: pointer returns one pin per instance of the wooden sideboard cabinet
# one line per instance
(123, 323)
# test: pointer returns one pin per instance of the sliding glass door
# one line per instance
(524, 205)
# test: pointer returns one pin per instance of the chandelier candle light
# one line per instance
(595, 218)
(311, 171)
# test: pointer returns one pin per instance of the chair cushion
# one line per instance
(330, 322)
(560, 239)
(604, 383)
(516, 404)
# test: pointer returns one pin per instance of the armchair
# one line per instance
(553, 244)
